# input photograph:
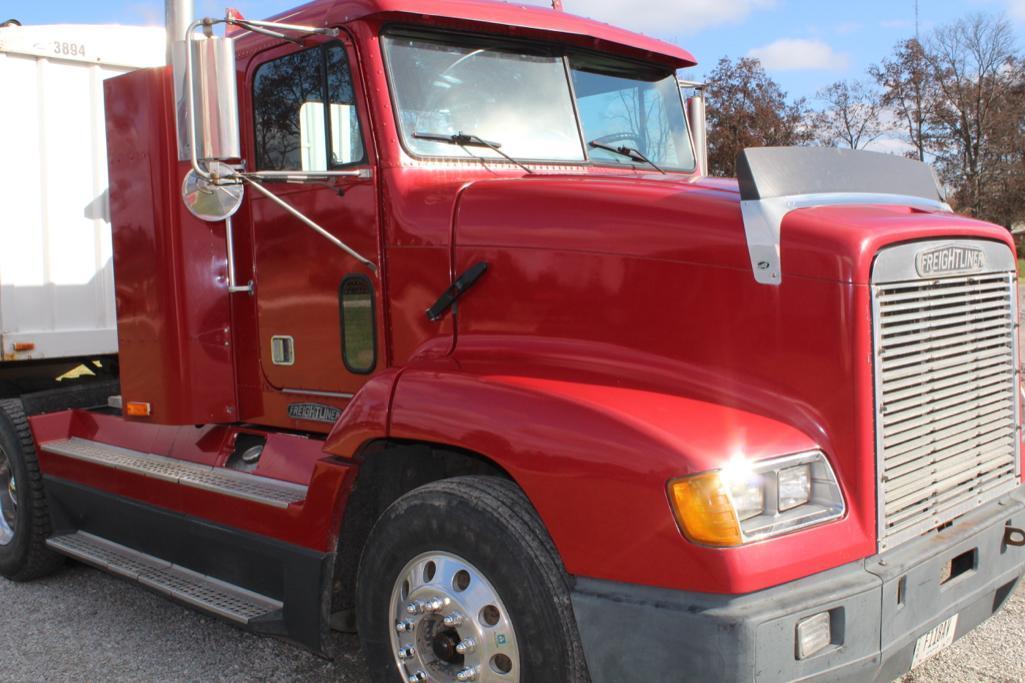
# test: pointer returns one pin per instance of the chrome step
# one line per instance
(250, 487)
(193, 588)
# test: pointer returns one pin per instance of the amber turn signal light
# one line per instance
(704, 511)
(138, 409)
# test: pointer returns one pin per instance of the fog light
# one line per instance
(813, 634)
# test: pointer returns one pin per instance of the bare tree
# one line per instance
(1004, 192)
(746, 108)
(909, 92)
(852, 115)
(972, 61)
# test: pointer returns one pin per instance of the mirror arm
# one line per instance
(257, 26)
(309, 223)
(265, 32)
(302, 176)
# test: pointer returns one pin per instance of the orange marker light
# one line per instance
(24, 346)
(138, 409)
(703, 510)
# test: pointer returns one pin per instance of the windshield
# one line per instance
(523, 101)
(518, 100)
(627, 111)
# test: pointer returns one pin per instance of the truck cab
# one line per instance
(431, 325)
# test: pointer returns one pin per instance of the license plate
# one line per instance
(935, 640)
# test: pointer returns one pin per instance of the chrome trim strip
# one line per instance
(763, 219)
(251, 487)
(311, 392)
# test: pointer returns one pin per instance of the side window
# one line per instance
(356, 301)
(305, 112)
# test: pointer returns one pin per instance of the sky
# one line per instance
(804, 44)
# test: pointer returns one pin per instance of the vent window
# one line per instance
(359, 342)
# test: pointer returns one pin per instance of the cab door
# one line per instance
(316, 305)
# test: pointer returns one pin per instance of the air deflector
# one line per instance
(777, 180)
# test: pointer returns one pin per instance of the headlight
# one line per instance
(793, 486)
(749, 501)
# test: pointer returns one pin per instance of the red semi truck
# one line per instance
(453, 342)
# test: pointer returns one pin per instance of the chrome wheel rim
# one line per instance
(8, 499)
(450, 624)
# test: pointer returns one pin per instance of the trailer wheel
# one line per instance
(460, 582)
(24, 519)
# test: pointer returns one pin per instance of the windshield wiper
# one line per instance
(628, 152)
(469, 140)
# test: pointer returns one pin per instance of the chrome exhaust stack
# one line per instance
(178, 15)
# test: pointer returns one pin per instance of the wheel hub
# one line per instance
(444, 646)
(450, 624)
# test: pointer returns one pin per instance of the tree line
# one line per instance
(955, 97)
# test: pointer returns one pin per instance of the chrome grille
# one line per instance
(945, 387)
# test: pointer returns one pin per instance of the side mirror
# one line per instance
(697, 122)
(212, 111)
(208, 200)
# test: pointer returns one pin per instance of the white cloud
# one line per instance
(799, 54)
(664, 18)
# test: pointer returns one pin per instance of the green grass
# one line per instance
(1021, 269)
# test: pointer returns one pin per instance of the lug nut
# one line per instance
(452, 620)
(466, 646)
(468, 674)
(404, 626)
(407, 652)
(417, 677)
(424, 606)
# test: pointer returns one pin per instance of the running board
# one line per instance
(200, 591)
(273, 492)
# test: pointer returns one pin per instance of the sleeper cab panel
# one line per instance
(173, 311)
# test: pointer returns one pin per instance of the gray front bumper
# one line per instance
(639, 633)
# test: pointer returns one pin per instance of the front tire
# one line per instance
(24, 518)
(459, 581)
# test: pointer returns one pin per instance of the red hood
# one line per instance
(688, 221)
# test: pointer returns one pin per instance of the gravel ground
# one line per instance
(83, 625)
(993, 652)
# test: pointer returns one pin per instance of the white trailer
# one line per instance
(56, 274)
